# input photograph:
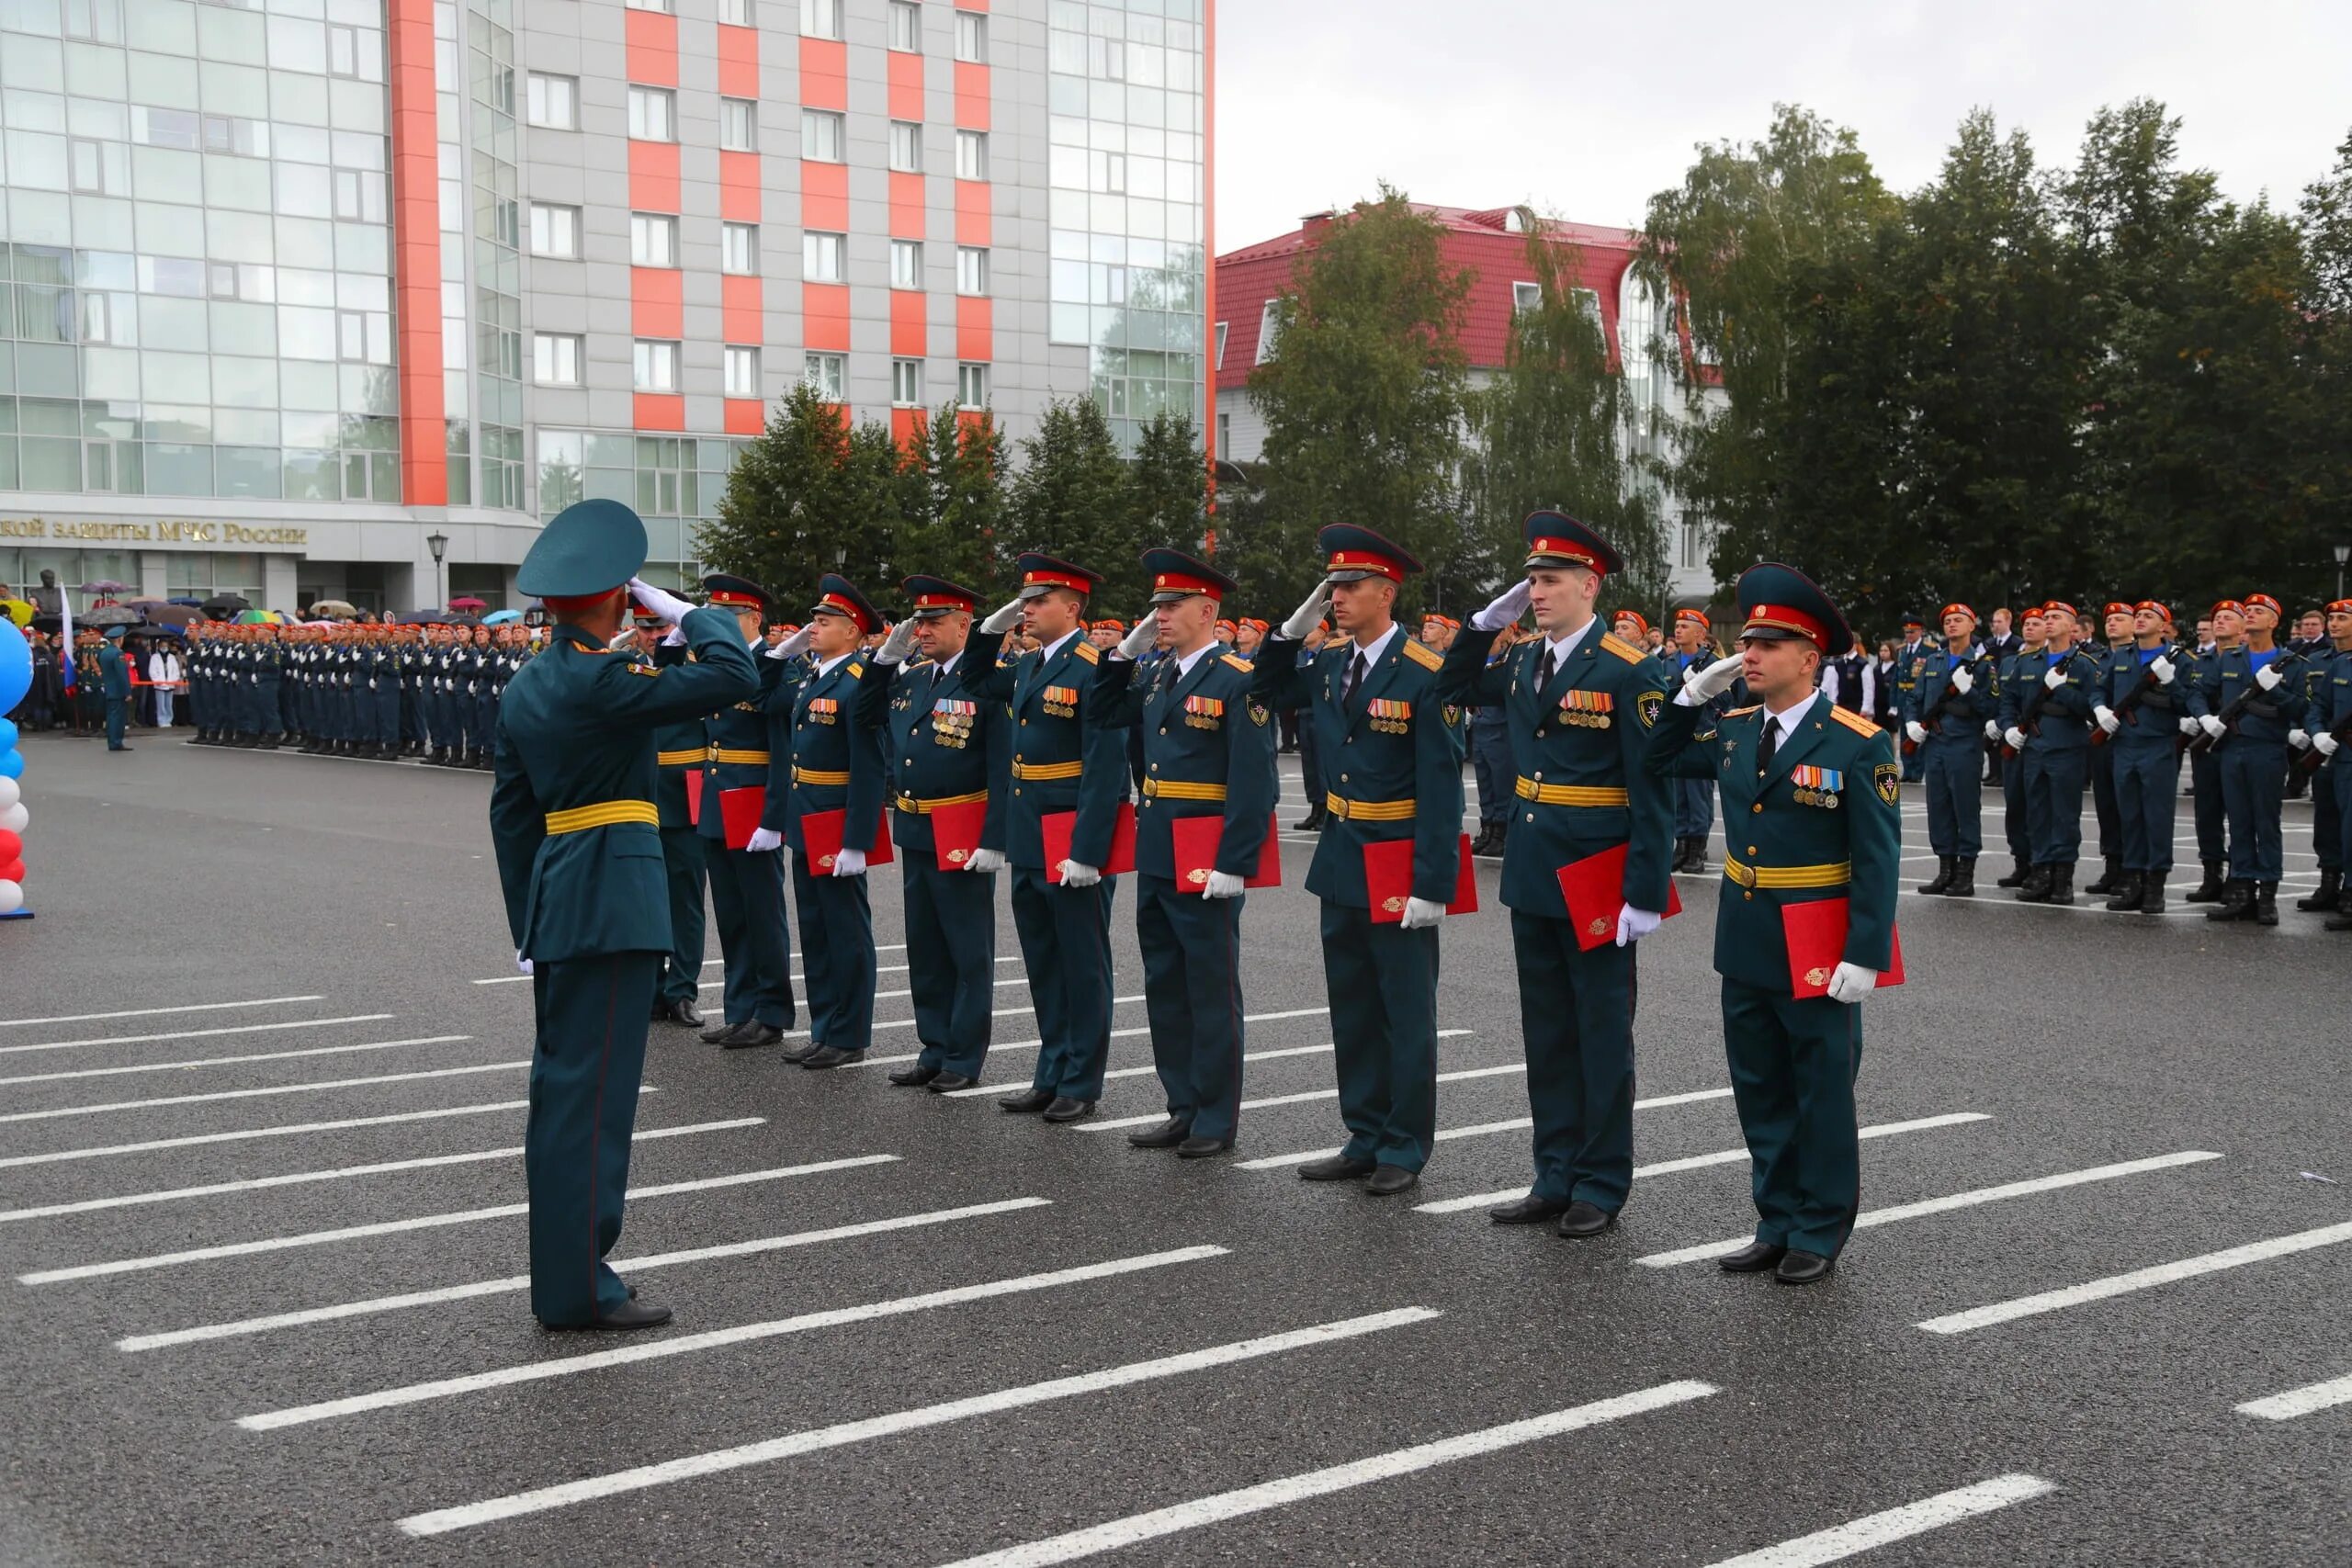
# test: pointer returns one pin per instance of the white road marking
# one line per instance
(2138, 1280)
(1857, 1536)
(193, 1062)
(1697, 1162)
(1140, 1029)
(340, 1173)
(196, 1033)
(1312, 1095)
(619, 1483)
(1322, 1050)
(2304, 1401)
(259, 1093)
(419, 1223)
(297, 1129)
(446, 1293)
(151, 1013)
(1954, 1201)
(1268, 1494)
(719, 1339)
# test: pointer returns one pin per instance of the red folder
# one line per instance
(738, 813)
(1816, 932)
(1059, 826)
(820, 840)
(1197, 839)
(955, 830)
(694, 794)
(1388, 879)
(1595, 890)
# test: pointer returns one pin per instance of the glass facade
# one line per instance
(673, 482)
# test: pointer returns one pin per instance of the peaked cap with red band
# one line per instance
(1175, 575)
(729, 592)
(1041, 574)
(1554, 538)
(935, 596)
(1354, 554)
(1781, 603)
(837, 595)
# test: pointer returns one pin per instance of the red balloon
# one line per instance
(13, 871)
(11, 847)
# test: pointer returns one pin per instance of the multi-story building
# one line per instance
(1491, 245)
(340, 299)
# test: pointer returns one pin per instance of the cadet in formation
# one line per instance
(1958, 691)
(2328, 729)
(2247, 703)
(742, 824)
(2045, 718)
(2140, 713)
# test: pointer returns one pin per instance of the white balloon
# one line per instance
(15, 817)
(12, 897)
(11, 792)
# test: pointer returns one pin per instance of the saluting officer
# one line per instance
(1582, 702)
(1813, 793)
(572, 819)
(679, 748)
(2140, 711)
(1957, 691)
(1208, 750)
(2045, 718)
(746, 878)
(946, 746)
(1066, 762)
(1372, 698)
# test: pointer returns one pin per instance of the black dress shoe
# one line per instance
(682, 1011)
(1334, 1167)
(1528, 1210)
(1167, 1135)
(750, 1033)
(1753, 1258)
(1803, 1268)
(661, 1012)
(630, 1314)
(801, 1052)
(1028, 1102)
(1391, 1180)
(913, 1076)
(948, 1083)
(716, 1033)
(830, 1057)
(1584, 1220)
(1064, 1109)
(1202, 1148)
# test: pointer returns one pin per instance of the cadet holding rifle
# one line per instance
(1957, 691)
(2143, 698)
(2046, 711)
(2247, 707)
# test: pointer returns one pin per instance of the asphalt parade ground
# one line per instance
(263, 1060)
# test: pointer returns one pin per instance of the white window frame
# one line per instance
(972, 36)
(972, 270)
(643, 105)
(653, 365)
(824, 257)
(558, 216)
(827, 375)
(555, 358)
(820, 18)
(972, 155)
(653, 239)
(906, 383)
(823, 136)
(1269, 327)
(742, 370)
(541, 91)
(739, 125)
(738, 14)
(738, 249)
(971, 378)
(664, 6)
(906, 27)
(906, 146)
(1526, 297)
(905, 264)
(1220, 345)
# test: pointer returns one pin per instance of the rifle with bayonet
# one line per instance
(2138, 695)
(2234, 710)
(2030, 716)
(1976, 655)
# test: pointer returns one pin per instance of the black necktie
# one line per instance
(1355, 678)
(938, 671)
(1544, 669)
(1767, 746)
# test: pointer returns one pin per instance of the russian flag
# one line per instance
(65, 639)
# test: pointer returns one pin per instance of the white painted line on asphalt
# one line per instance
(1696, 1162)
(259, 1093)
(419, 1223)
(1139, 1029)
(196, 1033)
(1322, 1050)
(1159, 1523)
(1308, 1098)
(2137, 1279)
(2304, 1400)
(1858, 1536)
(447, 1293)
(340, 1173)
(193, 1062)
(715, 1339)
(297, 1129)
(619, 1483)
(151, 1013)
(1954, 1201)
(1478, 1130)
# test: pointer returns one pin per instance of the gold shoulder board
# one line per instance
(1087, 652)
(1853, 721)
(1622, 648)
(1236, 660)
(1422, 654)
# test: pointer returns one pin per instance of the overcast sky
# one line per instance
(1585, 109)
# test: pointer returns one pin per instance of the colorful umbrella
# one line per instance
(469, 602)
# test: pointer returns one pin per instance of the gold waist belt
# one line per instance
(1571, 795)
(1034, 771)
(603, 814)
(925, 808)
(816, 776)
(1369, 810)
(1171, 790)
(687, 759)
(1836, 876)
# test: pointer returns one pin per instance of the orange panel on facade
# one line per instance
(739, 301)
(653, 48)
(660, 411)
(971, 95)
(657, 301)
(905, 206)
(824, 197)
(909, 324)
(907, 428)
(738, 186)
(746, 416)
(416, 261)
(653, 176)
(739, 61)
(906, 85)
(971, 212)
(824, 73)
(824, 317)
(974, 329)
(971, 4)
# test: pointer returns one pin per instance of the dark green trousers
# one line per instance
(1792, 1068)
(755, 944)
(1065, 947)
(1576, 1014)
(951, 959)
(1381, 981)
(681, 858)
(1192, 993)
(592, 1020)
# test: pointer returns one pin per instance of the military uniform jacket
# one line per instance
(1208, 750)
(581, 870)
(1063, 756)
(1825, 822)
(2156, 716)
(680, 747)
(945, 744)
(836, 746)
(2329, 690)
(115, 671)
(2061, 719)
(742, 742)
(1580, 746)
(1963, 715)
(1394, 761)
(2226, 672)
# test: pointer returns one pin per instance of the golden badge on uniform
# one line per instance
(1452, 714)
(1887, 778)
(1260, 712)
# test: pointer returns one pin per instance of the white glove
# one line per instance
(1077, 875)
(763, 839)
(1704, 685)
(1004, 618)
(1422, 913)
(522, 965)
(1992, 729)
(2300, 740)
(2189, 726)
(2326, 742)
(1634, 924)
(2014, 736)
(2267, 677)
(667, 606)
(2056, 678)
(1508, 607)
(1963, 680)
(986, 859)
(850, 862)
(2163, 670)
(2106, 719)
(1135, 643)
(1222, 885)
(792, 646)
(1917, 732)
(896, 646)
(1852, 983)
(1309, 613)
(2213, 726)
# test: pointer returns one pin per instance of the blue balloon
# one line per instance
(12, 764)
(7, 735)
(16, 665)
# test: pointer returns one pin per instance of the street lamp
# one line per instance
(2343, 553)
(438, 543)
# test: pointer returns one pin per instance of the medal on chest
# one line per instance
(1816, 786)
(1060, 702)
(1586, 710)
(1388, 716)
(824, 710)
(1204, 713)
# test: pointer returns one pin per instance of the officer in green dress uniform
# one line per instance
(1208, 750)
(1943, 716)
(1812, 801)
(576, 832)
(944, 747)
(1372, 698)
(114, 675)
(679, 750)
(747, 880)
(1582, 701)
(1065, 759)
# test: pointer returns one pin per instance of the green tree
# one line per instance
(2323, 420)
(1170, 485)
(953, 514)
(1073, 497)
(785, 517)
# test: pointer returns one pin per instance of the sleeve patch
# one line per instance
(1887, 780)
(1422, 654)
(1853, 720)
(1650, 705)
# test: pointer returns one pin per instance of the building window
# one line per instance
(905, 264)
(653, 239)
(555, 231)
(906, 147)
(971, 155)
(738, 13)
(1220, 345)
(738, 248)
(820, 18)
(821, 257)
(552, 102)
(971, 270)
(820, 136)
(652, 114)
(351, 336)
(655, 365)
(906, 383)
(648, 4)
(1225, 437)
(972, 385)
(971, 36)
(827, 376)
(555, 359)
(743, 372)
(906, 27)
(1526, 297)
(739, 125)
